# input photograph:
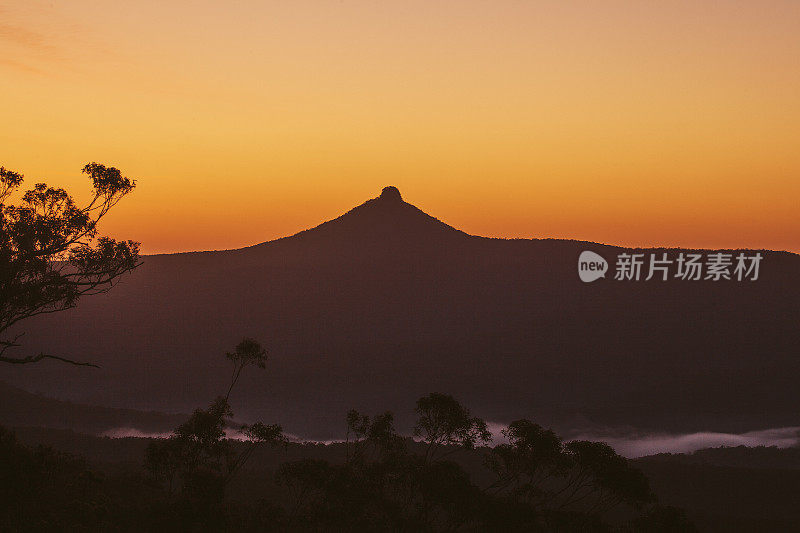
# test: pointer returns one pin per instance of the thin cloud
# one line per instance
(27, 47)
(641, 445)
(25, 38)
(38, 39)
(18, 65)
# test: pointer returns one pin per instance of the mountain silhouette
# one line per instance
(385, 218)
(387, 303)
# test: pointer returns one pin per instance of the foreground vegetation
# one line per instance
(448, 478)
(375, 482)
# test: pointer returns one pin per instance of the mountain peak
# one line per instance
(391, 193)
(383, 222)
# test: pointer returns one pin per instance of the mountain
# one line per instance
(386, 303)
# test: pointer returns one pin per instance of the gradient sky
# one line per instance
(635, 123)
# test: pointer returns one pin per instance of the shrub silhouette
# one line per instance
(391, 483)
(42, 489)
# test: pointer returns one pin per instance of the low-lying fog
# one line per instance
(630, 445)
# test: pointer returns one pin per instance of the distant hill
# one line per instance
(386, 303)
(730, 489)
(23, 409)
(758, 457)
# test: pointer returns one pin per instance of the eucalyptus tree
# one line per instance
(52, 254)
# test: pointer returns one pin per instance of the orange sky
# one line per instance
(635, 123)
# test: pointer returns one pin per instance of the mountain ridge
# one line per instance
(397, 207)
(359, 312)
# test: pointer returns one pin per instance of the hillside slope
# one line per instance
(386, 303)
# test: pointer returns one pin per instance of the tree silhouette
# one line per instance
(443, 421)
(376, 434)
(523, 466)
(565, 483)
(198, 460)
(51, 253)
(248, 352)
(603, 479)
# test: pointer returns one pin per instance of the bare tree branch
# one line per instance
(37, 358)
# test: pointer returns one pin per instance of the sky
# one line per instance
(672, 123)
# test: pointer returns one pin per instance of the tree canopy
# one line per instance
(51, 251)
